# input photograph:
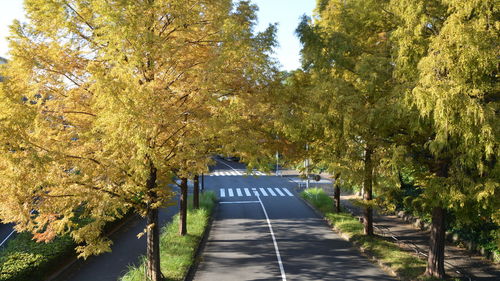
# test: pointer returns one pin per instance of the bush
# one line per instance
(24, 259)
(319, 199)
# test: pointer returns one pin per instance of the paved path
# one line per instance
(268, 233)
(126, 250)
(410, 238)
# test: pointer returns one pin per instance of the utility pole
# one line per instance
(277, 163)
(202, 182)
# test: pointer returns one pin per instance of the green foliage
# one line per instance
(24, 259)
(318, 198)
(177, 252)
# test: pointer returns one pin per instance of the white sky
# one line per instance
(286, 13)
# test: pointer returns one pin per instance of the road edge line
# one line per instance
(276, 249)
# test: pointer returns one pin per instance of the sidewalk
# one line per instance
(458, 262)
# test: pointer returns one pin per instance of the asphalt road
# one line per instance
(6, 233)
(262, 231)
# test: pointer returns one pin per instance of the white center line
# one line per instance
(279, 191)
(238, 190)
(287, 191)
(271, 191)
(230, 191)
(276, 249)
(247, 192)
(263, 191)
(222, 192)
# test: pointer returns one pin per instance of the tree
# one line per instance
(347, 53)
(100, 99)
(446, 56)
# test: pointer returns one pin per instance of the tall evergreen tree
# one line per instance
(348, 56)
(447, 58)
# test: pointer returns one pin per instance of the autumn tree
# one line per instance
(447, 58)
(100, 100)
(232, 121)
(347, 54)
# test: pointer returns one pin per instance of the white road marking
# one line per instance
(10, 234)
(217, 174)
(222, 192)
(287, 192)
(279, 191)
(259, 173)
(230, 191)
(271, 191)
(255, 192)
(247, 192)
(225, 164)
(263, 191)
(239, 192)
(238, 202)
(276, 249)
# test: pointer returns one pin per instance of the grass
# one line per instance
(177, 252)
(404, 264)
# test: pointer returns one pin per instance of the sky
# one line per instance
(286, 13)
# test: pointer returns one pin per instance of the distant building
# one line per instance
(2, 61)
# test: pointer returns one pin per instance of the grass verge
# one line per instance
(404, 264)
(177, 253)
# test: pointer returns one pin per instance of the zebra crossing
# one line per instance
(235, 173)
(248, 192)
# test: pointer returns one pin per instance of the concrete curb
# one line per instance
(346, 237)
(190, 273)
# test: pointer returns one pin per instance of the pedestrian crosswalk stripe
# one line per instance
(287, 192)
(246, 192)
(279, 191)
(271, 191)
(263, 191)
(236, 173)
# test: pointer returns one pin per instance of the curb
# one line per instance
(190, 273)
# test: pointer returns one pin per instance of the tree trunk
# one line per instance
(435, 261)
(153, 271)
(183, 207)
(336, 194)
(196, 192)
(367, 196)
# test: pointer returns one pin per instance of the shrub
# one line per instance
(24, 259)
